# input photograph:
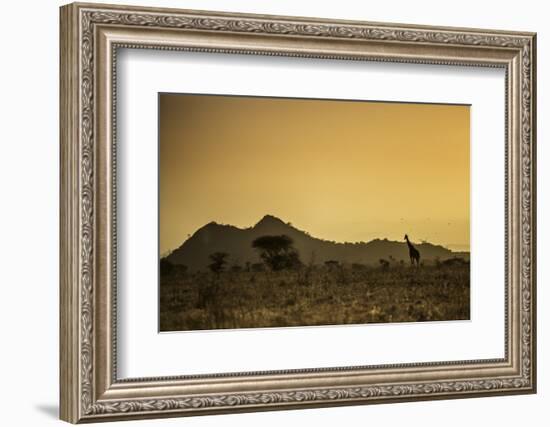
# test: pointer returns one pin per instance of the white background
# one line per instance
(29, 171)
(145, 353)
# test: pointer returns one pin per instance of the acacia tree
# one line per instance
(277, 252)
(218, 261)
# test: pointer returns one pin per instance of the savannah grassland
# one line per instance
(314, 295)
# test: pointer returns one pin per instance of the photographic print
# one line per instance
(280, 212)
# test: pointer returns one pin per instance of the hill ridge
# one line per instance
(237, 242)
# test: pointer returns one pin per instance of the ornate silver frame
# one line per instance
(90, 36)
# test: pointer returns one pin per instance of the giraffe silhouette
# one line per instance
(413, 252)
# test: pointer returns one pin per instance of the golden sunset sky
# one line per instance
(340, 170)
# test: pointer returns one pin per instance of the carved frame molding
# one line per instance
(90, 36)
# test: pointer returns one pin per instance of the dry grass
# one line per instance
(314, 296)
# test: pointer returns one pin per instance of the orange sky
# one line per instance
(341, 170)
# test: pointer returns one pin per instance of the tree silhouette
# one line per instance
(277, 252)
(218, 261)
(384, 263)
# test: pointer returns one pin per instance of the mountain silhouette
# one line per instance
(237, 242)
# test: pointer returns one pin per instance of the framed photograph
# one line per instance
(265, 212)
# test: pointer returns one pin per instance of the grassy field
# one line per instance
(313, 296)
